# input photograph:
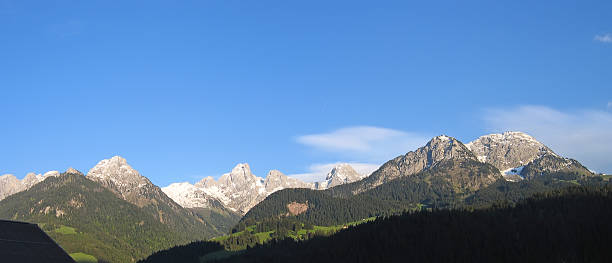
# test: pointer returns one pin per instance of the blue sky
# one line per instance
(188, 90)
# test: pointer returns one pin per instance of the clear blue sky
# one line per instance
(188, 90)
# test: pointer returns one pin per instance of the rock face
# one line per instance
(339, 175)
(549, 163)
(444, 154)
(238, 190)
(508, 150)
(518, 156)
(10, 185)
(119, 177)
(189, 196)
(275, 180)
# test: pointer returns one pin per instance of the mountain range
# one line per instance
(441, 173)
(240, 190)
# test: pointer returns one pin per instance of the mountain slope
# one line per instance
(83, 216)
(240, 190)
(531, 231)
(443, 152)
(507, 150)
(340, 174)
(9, 184)
(442, 174)
(116, 175)
(439, 174)
(512, 152)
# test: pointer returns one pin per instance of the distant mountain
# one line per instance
(84, 216)
(173, 223)
(120, 178)
(441, 151)
(240, 190)
(9, 184)
(512, 152)
(340, 174)
(444, 173)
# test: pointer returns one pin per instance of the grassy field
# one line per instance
(83, 258)
(266, 236)
(327, 230)
(66, 230)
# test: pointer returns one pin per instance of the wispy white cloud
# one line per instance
(317, 172)
(585, 135)
(609, 104)
(605, 38)
(365, 143)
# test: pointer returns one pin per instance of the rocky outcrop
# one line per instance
(341, 174)
(239, 190)
(508, 150)
(442, 156)
(275, 180)
(119, 177)
(519, 156)
(10, 185)
(550, 163)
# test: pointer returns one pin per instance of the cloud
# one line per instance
(609, 104)
(365, 143)
(317, 172)
(585, 135)
(605, 38)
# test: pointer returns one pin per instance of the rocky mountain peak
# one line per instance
(9, 184)
(508, 150)
(275, 180)
(31, 179)
(8, 177)
(438, 149)
(71, 170)
(115, 169)
(274, 174)
(342, 173)
(444, 147)
(239, 176)
(342, 170)
(118, 176)
(209, 181)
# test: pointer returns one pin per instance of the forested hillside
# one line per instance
(564, 225)
(434, 188)
(83, 216)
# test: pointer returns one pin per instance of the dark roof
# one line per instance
(25, 242)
